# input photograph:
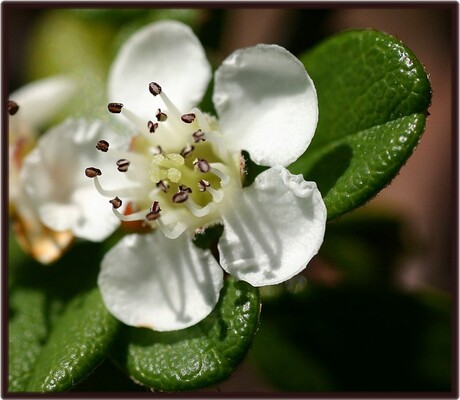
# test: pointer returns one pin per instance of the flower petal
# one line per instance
(273, 229)
(39, 101)
(44, 244)
(158, 283)
(54, 177)
(266, 103)
(168, 53)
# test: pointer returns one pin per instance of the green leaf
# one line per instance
(198, 356)
(355, 339)
(47, 304)
(27, 332)
(373, 98)
(78, 342)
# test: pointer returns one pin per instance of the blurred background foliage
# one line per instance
(373, 310)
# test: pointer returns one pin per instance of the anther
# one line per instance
(92, 172)
(184, 188)
(163, 185)
(202, 165)
(161, 116)
(187, 150)
(154, 213)
(102, 145)
(152, 126)
(123, 164)
(180, 197)
(154, 88)
(198, 136)
(203, 184)
(116, 202)
(188, 118)
(12, 107)
(156, 150)
(155, 207)
(115, 108)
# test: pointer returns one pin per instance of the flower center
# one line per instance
(180, 174)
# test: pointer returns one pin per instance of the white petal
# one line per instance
(39, 101)
(158, 283)
(274, 228)
(168, 53)
(266, 103)
(54, 177)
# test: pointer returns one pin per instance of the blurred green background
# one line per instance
(372, 312)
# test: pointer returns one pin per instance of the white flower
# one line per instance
(182, 173)
(29, 109)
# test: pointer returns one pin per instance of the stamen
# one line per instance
(137, 216)
(92, 172)
(102, 145)
(203, 184)
(111, 193)
(180, 197)
(163, 185)
(155, 88)
(188, 118)
(174, 233)
(115, 108)
(152, 126)
(154, 213)
(224, 178)
(156, 150)
(196, 210)
(12, 107)
(184, 188)
(202, 120)
(161, 116)
(198, 136)
(187, 150)
(116, 202)
(123, 165)
(217, 195)
(155, 207)
(202, 165)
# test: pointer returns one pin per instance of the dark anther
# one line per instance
(202, 165)
(12, 107)
(154, 212)
(92, 172)
(184, 188)
(180, 197)
(102, 145)
(188, 118)
(187, 150)
(115, 108)
(161, 116)
(163, 185)
(154, 88)
(203, 184)
(123, 165)
(116, 202)
(152, 126)
(198, 136)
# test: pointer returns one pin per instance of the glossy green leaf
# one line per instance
(355, 339)
(78, 342)
(373, 98)
(46, 306)
(198, 356)
(27, 331)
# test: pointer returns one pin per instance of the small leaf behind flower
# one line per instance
(78, 342)
(198, 356)
(373, 98)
